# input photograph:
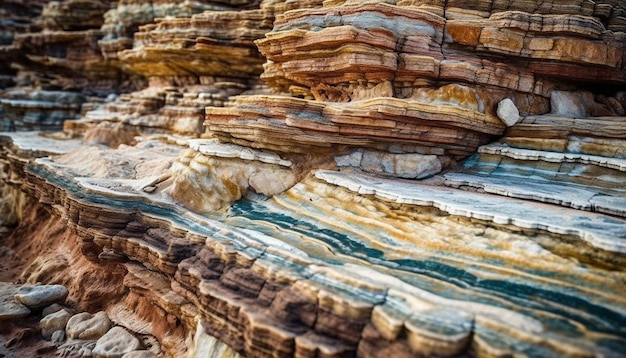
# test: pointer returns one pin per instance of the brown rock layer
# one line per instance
(65, 55)
(277, 123)
(204, 59)
(215, 231)
(217, 43)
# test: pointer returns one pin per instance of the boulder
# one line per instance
(54, 322)
(41, 295)
(88, 326)
(116, 343)
(9, 308)
(508, 112)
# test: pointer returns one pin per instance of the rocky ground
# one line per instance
(40, 321)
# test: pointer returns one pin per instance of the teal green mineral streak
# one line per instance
(162, 211)
(342, 243)
(525, 297)
(604, 319)
(522, 297)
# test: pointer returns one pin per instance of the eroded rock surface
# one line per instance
(11, 309)
(115, 343)
(314, 178)
(87, 326)
(41, 296)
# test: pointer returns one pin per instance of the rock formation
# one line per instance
(313, 178)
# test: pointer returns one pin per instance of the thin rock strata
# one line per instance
(264, 291)
(206, 56)
(313, 178)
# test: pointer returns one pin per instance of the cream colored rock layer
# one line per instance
(310, 271)
(205, 178)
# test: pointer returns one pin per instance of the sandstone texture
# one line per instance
(115, 343)
(88, 326)
(291, 178)
(40, 296)
(54, 322)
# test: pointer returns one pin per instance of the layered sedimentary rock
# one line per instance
(322, 178)
(390, 124)
(572, 162)
(65, 55)
(70, 52)
(392, 63)
(121, 23)
(15, 17)
(204, 59)
(54, 51)
(267, 282)
(219, 43)
(39, 110)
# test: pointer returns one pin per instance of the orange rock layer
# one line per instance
(275, 122)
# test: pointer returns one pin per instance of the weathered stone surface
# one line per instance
(11, 309)
(204, 180)
(41, 295)
(410, 166)
(88, 326)
(507, 112)
(115, 343)
(58, 337)
(54, 322)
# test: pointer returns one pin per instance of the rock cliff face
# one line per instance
(313, 178)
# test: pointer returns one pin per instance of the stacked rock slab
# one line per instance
(56, 63)
(65, 54)
(385, 75)
(267, 282)
(16, 17)
(121, 22)
(204, 59)
(572, 162)
(69, 50)
(231, 244)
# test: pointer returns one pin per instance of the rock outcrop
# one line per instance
(313, 178)
(204, 59)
